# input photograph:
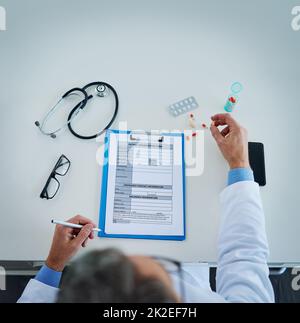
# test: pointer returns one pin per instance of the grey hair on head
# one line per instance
(108, 276)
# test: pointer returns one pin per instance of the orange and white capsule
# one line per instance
(192, 121)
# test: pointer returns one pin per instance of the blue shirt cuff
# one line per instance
(240, 175)
(48, 276)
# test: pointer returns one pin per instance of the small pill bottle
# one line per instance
(233, 98)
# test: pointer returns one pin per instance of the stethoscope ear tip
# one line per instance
(37, 123)
(53, 136)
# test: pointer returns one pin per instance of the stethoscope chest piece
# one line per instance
(101, 91)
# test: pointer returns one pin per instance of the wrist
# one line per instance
(239, 164)
(54, 265)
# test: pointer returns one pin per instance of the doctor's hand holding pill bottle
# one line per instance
(67, 241)
(232, 140)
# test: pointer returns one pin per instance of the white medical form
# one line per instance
(143, 186)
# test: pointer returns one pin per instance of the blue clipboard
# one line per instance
(103, 198)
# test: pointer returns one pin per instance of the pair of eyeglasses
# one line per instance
(52, 185)
(173, 267)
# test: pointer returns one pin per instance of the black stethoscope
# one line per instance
(102, 90)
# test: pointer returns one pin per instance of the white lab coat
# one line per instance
(242, 274)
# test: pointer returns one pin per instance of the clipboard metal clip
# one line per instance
(135, 138)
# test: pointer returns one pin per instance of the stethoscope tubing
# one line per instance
(70, 118)
(80, 106)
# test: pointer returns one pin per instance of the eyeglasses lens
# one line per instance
(52, 188)
(62, 167)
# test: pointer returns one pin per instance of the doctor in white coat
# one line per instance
(110, 276)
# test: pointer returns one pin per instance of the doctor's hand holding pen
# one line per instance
(68, 240)
(232, 140)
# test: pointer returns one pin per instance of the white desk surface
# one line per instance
(154, 53)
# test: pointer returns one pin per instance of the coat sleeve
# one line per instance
(243, 273)
(37, 292)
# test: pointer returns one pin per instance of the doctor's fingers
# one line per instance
(83, 235)
(217, 134)
(85, 243)
(225, 131)
(79, 219)
(76, 232)
(72, 236)
(224, 119)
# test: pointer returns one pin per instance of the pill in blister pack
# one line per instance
(184, 106)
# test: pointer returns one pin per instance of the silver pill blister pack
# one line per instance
(184, 106)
